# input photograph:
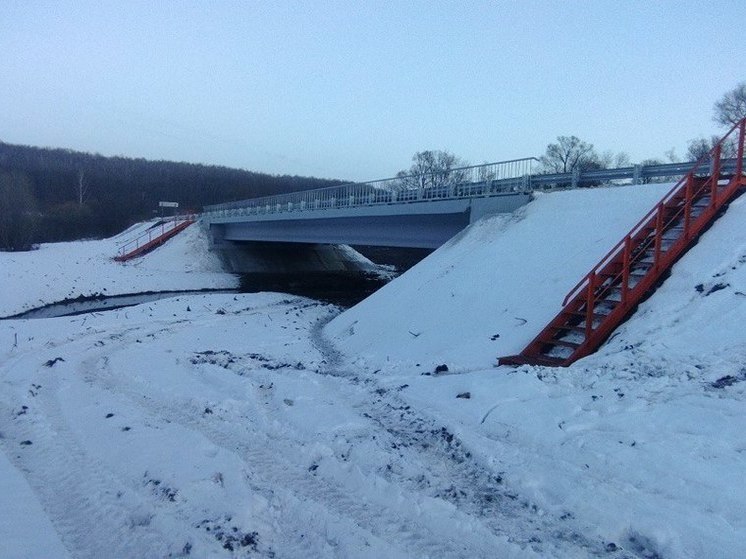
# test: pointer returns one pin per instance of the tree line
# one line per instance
(49, 195)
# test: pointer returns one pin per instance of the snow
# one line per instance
(505, 276)
(24, 527)
(58, 271)
(236, 425)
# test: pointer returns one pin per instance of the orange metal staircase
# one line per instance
(153, 237)
(611, 291)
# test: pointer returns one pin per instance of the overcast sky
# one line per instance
(352, 89)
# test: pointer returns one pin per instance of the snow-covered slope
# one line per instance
(488, 291)
(643, 441)
(61, 271)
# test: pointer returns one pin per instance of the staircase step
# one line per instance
(595, 316)
(641, 271)
(562, 343)
(568, 328)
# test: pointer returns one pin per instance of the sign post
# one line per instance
(162, 205)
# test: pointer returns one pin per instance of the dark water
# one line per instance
(401, 258)
(339, 288)
(100, 303)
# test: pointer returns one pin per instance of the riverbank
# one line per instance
(67, 271)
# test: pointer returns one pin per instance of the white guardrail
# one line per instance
(463, 182)
(491, 179)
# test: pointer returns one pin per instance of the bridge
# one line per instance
(418, 211)
(422, 211)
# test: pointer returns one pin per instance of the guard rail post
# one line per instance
(637, 174)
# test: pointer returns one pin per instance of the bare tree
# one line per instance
(700, 147)
(432, 169)
(649, 163)
(732, 106)
(568, 154)
(611, 160)
(486, 174)
(82, 187)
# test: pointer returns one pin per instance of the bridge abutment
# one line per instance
(261, 257)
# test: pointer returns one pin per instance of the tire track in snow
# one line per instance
(271, 469)
(452, 473)
(278, 470)
(90, 508)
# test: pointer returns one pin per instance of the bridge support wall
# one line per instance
(290, 258)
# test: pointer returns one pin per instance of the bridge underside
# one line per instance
(419, 225)
(394, 231)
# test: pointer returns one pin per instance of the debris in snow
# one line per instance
(728, 380)
(232, 538)
(717, 287)
(52, 362)
(160, 489)
(700, 287)
(464, 395)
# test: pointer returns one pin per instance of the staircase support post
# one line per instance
(715, 175)
(625, 268)
(658, 235)
(688, 195)
(741, 140)
(589, 304)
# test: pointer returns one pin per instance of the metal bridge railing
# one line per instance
(158, 229)
(491, 179)
(464, 182)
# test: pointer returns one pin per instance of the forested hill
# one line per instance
(75, 194)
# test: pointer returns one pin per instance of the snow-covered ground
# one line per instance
(59, 271)
(271, 425)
